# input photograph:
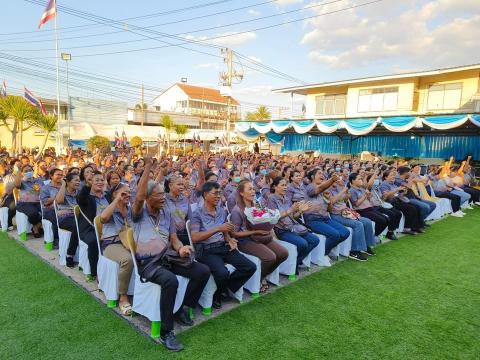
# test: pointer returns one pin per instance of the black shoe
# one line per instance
(409, 232)
(391, 236)
(170, 341)
(181, 317)
(217, 301)
(419, 231)
(70, 263)
(357, 255)
(369, 251)
(426, 225)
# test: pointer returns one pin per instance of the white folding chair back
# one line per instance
(4, 219)
(345, 246)
(107, 270)
(206, 299)
(23, 226)
(83, 262)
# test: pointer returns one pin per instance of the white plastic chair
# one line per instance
(83, 263)
(4, 219)
(107, 270)
(63, 240)
(23, 226)
(318, 256)
(253, 284)
(345, 246)
(289, 266)
(47, 231)
(146, 296)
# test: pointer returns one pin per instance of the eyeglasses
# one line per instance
(216, 193)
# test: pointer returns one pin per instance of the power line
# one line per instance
(168, 12)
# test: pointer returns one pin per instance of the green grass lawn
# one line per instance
(419, 298)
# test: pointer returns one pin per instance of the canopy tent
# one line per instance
(360, 126)
(426, 136)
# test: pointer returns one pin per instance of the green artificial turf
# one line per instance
(419, 298)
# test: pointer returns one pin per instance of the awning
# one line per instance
(251, 130)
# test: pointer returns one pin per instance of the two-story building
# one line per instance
(444, 91)
(205, 103)
(419, 114)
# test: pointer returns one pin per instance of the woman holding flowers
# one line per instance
(258, 243)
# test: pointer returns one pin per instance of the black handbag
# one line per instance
(171, 257)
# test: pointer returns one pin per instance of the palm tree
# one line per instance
(262, 113)
(168, 124)
(48, 123)
(181, 130)
(16, 108)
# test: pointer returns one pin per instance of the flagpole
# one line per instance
(59, 139)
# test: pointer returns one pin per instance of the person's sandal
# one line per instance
(126, 309)
(264, 287)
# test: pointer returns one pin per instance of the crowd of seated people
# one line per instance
(158, 197)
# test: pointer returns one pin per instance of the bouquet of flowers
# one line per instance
(262, 219)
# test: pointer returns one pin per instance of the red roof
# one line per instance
(206, 94)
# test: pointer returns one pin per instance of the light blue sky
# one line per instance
(384, 37)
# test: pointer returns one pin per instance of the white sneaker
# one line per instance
(457, 214)
(462, 213)
(477, 203)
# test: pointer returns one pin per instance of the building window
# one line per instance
(444, 96)
(330, 104)
(379, 99)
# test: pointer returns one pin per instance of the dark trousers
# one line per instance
(166, 278)
(68, 224)
(90, 239)
(10, 203)
(381, 220)
(413, 218)
(271, 255)
(216, 258)
(183, 237)
(473, 192)
(454, 199)
(32, 210)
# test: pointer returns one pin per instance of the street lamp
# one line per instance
(67, 57)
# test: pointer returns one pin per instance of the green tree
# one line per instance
(23, 115)
(136, 142)
(262, 113)
(47, 123)
(98, 142)
(181, 131)
(169, 125)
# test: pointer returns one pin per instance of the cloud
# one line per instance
(410, 34)
(254, 12)
(225, 39)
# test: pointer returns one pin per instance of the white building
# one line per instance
(207, 103)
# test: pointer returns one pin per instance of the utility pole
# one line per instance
(226, 80)
(141, 104)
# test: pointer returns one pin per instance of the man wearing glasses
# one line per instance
(214, 247)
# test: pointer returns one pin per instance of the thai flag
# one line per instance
(43, 110)
(49, 13)
(28, 95)
(117, 139)
(3, 90)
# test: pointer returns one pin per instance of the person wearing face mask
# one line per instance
(47, 197)
(232, 185)
(6, 195)
(92, 202)
(29, 198)
(368, 204)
